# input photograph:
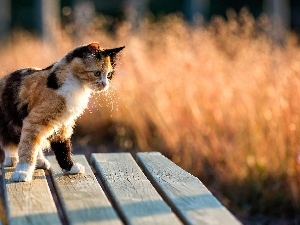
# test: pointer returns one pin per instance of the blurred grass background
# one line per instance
(221, 101)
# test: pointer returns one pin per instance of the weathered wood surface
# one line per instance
(29, 202)
(134, 197)
(81, 196)
(173, 197)
(187, 196)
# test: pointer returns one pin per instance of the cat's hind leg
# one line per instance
(41, 161)
(11, 155)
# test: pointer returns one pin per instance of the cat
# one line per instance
(39, 107)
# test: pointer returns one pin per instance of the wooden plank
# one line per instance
(81, 196)
(186, 195)
(29, 202)
(132, 193)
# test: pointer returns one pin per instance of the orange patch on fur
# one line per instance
(94, 46)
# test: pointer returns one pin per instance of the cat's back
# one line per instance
(11, 83)
(17, 76)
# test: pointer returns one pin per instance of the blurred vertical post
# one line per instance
(279, 13)
(135, 11)
(47, 19)
(84, 13)
(196, 9)
(5, 17)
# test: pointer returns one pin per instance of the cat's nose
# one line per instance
(104, 84)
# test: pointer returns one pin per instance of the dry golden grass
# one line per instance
(221, 101)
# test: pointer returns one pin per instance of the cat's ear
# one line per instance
(112, 53)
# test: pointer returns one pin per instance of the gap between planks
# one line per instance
(136, 200)
(81, 196)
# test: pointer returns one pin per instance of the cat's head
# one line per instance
(93, 65)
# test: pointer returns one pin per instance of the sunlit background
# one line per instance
(213, 85)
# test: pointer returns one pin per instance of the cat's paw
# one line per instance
(21, 176)
(10, 161)
(23, 173)
(42, 163)
(76, 168)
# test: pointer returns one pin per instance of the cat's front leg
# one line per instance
(32, 138)
(23, 172)
(62, 150)
(26, 165)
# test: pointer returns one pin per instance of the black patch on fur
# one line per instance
(12, 110)
(79, 52)
(83, 52)
(52, 81)
(62, 151)
(23, 111)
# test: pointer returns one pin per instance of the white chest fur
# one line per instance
(76, 96)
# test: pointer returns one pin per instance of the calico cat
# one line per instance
(38, 108)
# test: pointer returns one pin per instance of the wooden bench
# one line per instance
(152, 190)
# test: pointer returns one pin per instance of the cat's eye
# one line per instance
(97, 73)
(109, 75)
